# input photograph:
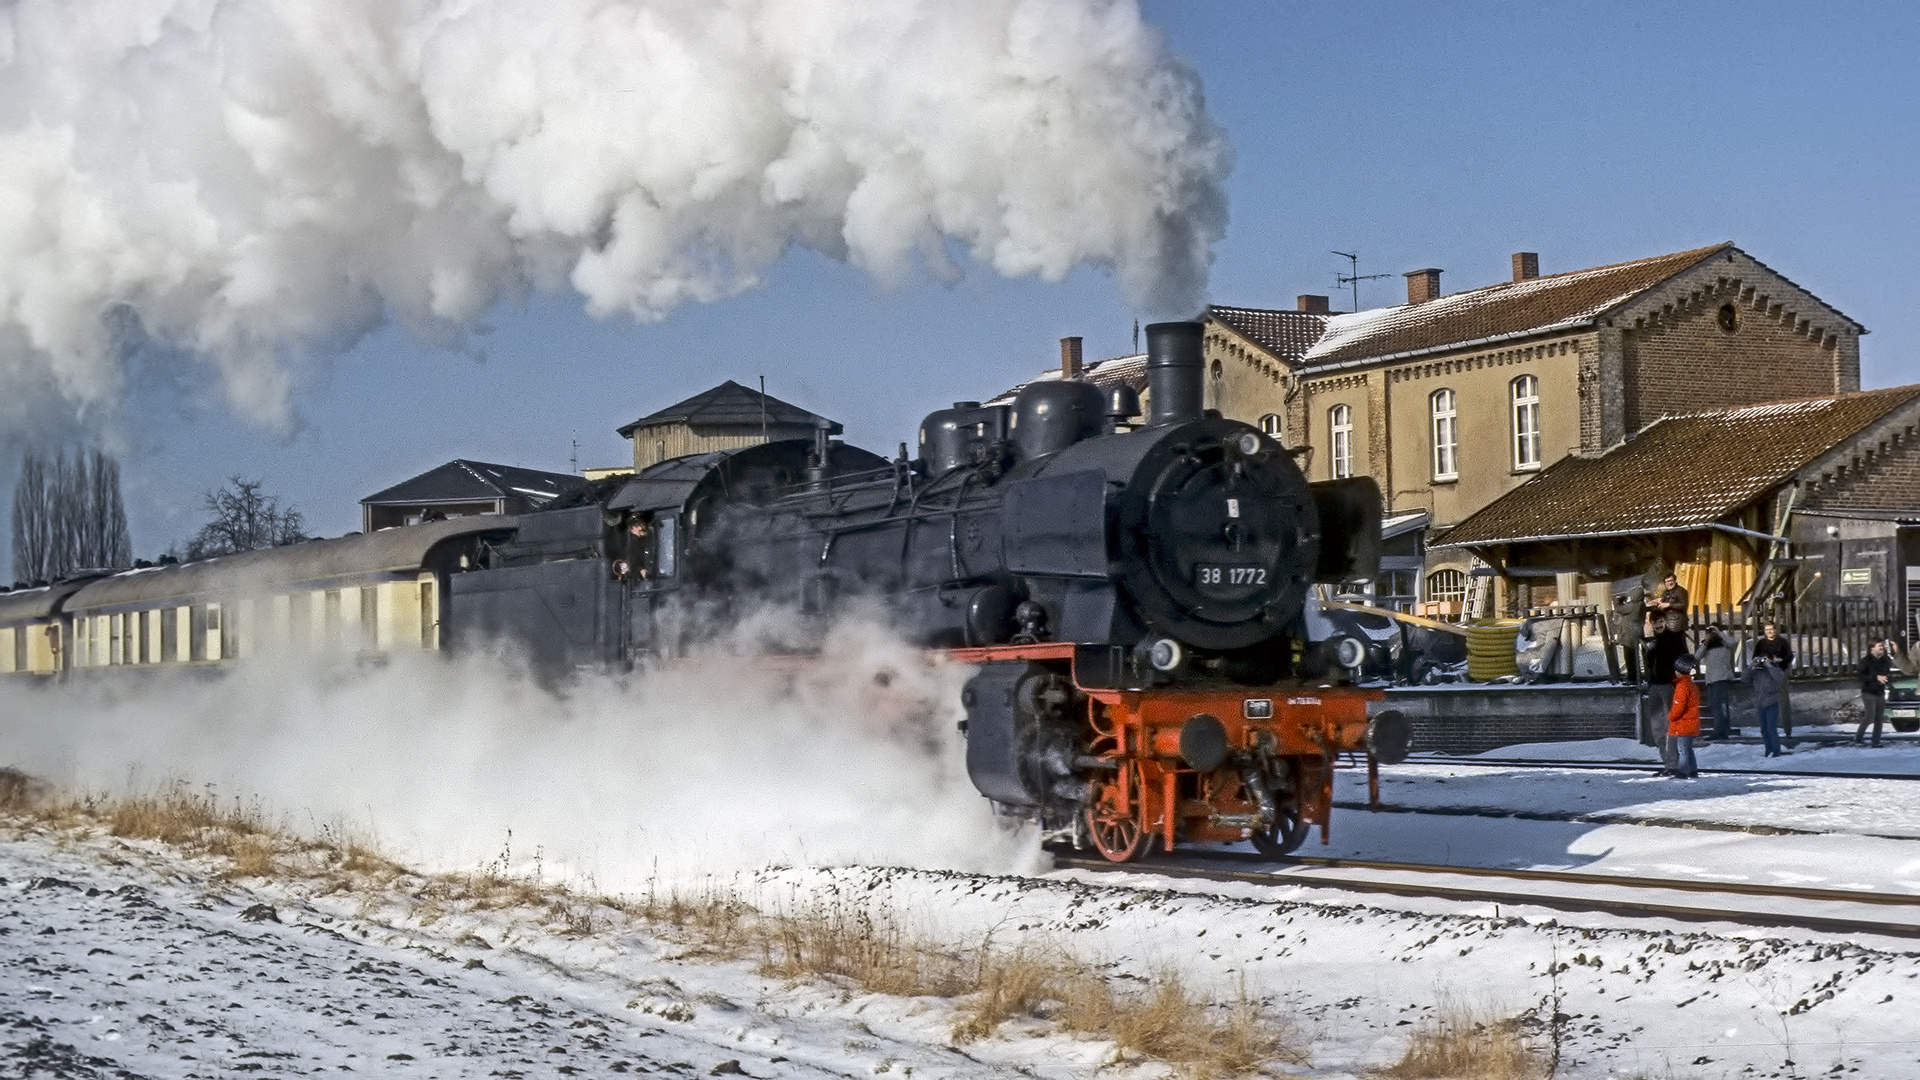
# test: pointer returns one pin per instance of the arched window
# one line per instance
(1447, 586)
(1446, 436)
(1525, 391)
(1270, 425)
(1340, 424)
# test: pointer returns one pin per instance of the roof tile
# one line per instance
(460, 480)
(1679, 472)
(1286, 334)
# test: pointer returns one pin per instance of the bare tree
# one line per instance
(68, 516)
(245, 519)
(33, 558)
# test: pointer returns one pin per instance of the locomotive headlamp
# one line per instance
(1164, 654)
(1249, 443)
(1349, 652)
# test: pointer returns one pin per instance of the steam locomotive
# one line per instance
(1134, 591)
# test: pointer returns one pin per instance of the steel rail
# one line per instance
(1192, 865)
(1650, 767)
(1654, 767)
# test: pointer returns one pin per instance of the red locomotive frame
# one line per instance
(1150, 792)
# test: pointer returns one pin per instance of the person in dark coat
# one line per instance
(1669, 610)
(1666, 627)
(1716, 670)
(1662, 650)
(1779, 651)
(1768, 680)
(1876, 669)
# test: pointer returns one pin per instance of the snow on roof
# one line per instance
(1510, 308)
(1113, 371)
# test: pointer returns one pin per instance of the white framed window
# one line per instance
(1525, 392)
(1447, 586)
(1270, 425)
(1340, 424)
(1446, 436)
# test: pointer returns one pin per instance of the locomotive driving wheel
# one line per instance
(1290, 825)
(1114, 813)
(1288, 831)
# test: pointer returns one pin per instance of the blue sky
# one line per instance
(1415, 134)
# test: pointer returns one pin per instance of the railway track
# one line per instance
(1648, 767)
(1836, 911)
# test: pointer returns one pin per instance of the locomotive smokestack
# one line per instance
(1175, 373)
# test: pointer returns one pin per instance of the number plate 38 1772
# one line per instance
(1213, 576)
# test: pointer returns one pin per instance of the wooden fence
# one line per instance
(1828, 637)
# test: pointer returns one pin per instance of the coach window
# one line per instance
(1446, 436)
(1340, 424)
(1525, 391)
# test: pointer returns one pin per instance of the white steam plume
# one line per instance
(251, 183)
(719, 764)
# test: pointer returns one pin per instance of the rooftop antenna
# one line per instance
(1136, 335)
(1355, 278)
(573, 462)
(763, 408)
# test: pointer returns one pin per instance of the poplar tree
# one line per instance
(68, 515)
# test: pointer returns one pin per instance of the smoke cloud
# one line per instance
(244, 186)
(720, 763)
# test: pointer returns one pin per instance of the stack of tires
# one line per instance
(1490, 650)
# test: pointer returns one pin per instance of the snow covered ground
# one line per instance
(124, 958)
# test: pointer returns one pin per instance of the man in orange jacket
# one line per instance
(1683, 719)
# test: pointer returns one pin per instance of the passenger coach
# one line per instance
(384, 592)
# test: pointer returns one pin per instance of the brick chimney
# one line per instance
(1069, 357)
(1312, 305)
(1526, 265)
(1423, 285)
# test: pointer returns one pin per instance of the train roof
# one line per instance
(38, 603)
(404, 548)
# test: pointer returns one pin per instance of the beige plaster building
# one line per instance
(1452, 401)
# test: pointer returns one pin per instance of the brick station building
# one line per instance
(1452, 401)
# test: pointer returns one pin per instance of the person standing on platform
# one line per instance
(1666, 627)
(1716, 668)
(1669, 610)
(1779, 651)
(1876, 670)
(1767, 679)
(1683, 718)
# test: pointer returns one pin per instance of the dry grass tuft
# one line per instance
(869, 949)
(1463, 1043)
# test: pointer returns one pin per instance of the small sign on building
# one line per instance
(1856, 575)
